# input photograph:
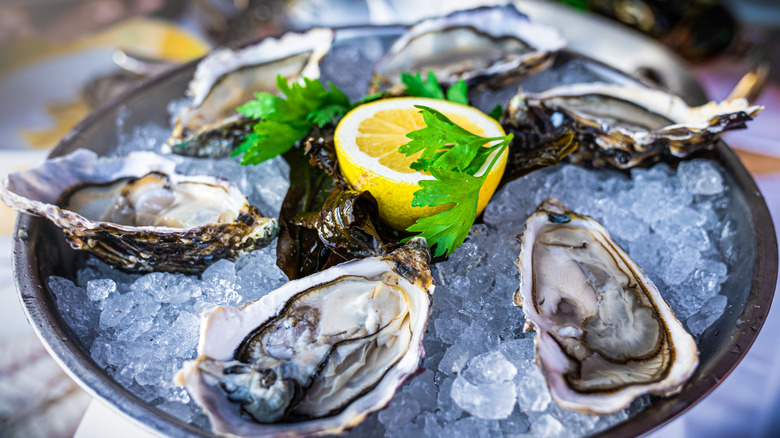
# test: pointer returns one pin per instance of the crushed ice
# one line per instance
(479, 378)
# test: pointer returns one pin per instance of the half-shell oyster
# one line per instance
(624, 126)
(604, 334)
(225, 79)
(137, 214)
(471, 45)
(317, 355)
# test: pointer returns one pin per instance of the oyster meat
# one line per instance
(317, 355)
(604, 334)
(624, 126)
(137, 214)
(472, 45)
(225, 79)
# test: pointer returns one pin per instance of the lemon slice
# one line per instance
(367, 141)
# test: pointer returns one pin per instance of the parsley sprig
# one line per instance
(283, 122)
(453, 156)
(430, 87)
(445, 145)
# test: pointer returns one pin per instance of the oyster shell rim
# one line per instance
(685, 353)
(136, 248)
(211, 68)
(203, 79)
(693, 129)
(220, 319)
(544, 46)
(654, 100)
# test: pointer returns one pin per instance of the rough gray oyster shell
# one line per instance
(135, 213)
(225, 79)
(624, 126)
(473, 45)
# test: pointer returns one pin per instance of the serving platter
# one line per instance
(41, 252)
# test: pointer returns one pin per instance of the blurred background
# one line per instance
(61, 59)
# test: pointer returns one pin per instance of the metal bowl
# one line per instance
(40, 251)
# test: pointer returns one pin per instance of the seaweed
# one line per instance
(323, 222)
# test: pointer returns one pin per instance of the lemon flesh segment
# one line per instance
(367, 141)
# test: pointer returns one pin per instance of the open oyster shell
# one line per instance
(623, 126)
(317, 355)
(210, 126)
(604, 334)
(472, 45)
(137, 214)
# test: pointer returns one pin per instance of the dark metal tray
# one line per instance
(41, 251)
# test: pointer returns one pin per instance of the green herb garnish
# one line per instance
(458, 93)
(496, 113)
(430, 87)
(448, 229)
(445, 145)
(452, 155)
(282, 122)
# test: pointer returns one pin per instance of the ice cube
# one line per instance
(679, 264)
(490, 368)
(518, 351)
(450, 326)
(430, 426)
(547, 426)
(115, 309)
(514, 425)
(472, 427)
(455, 358)
(178, 410)
(422, 389)
(532, 392)
(710, 311)
(700, 177)
(448, 410)
(100, 289)
(401, 410)
(487, 400)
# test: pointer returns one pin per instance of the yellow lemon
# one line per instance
(367, 141)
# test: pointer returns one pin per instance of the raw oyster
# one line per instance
(225, 79)
(624, 126)
(317, 355)
(137, 214)
(604, 334)
(472, 45)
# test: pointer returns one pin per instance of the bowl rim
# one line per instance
(41, 312)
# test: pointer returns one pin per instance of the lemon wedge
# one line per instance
(367, 141)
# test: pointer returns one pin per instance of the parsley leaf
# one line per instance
(452, 155)
(458, 92)
(444, 144)
(324, 115)
(496, 113)
(264, 104)
(274, 137)
(430, 87)
(283, 122)
(416, 86)
(448, 229)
